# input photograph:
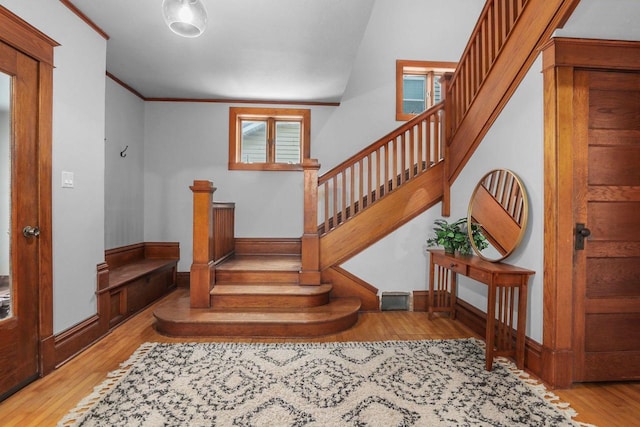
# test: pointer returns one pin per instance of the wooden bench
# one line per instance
(134, 276)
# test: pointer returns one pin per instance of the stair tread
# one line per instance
(181, 312)
(268, 289)
(262, 263)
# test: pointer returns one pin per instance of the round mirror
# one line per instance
(498, 209)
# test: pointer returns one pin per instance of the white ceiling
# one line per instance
(295, 50)
(277, 50)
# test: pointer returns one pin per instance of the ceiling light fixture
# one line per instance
(187, 18)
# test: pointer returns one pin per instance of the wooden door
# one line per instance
(607, 202)
(19, 339)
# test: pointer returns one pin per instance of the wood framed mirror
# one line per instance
(499, 207)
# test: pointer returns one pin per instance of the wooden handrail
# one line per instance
(380, 168)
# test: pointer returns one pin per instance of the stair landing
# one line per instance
(259, 296)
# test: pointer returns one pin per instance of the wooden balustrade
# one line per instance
(487, 39)
(224, 240)
(380, 168)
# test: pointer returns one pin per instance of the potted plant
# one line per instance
(454, 237)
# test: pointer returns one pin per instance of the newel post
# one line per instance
(202, 268)
(445, 124)
(310, 271)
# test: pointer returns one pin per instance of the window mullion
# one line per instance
(271, 136)
(430, 89)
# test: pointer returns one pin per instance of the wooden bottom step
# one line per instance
(179, 319)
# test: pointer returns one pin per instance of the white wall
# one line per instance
(603, 19)
(78, 138)
(124, 176)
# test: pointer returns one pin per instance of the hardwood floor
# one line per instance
(47, 400)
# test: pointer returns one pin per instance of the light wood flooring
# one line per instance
(47, 400)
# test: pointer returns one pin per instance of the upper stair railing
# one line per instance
(379, 169)
(496, 21)
(503, 45)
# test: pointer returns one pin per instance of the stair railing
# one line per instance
(487, 39)
(503, 45)
(379, 169)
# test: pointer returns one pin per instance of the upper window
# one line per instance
(268, 138)
(418, 86)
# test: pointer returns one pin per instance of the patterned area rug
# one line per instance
(394, 383)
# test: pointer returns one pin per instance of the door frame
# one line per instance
(25, 38)
(560, 58)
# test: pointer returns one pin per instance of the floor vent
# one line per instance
(395, 301)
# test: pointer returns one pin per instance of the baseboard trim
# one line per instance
(268, 245)
(476, 320)
(69, 343)
(47, 355)
(557, 367)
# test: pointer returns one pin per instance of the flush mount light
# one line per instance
(187, 18)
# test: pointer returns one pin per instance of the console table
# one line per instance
(504, 282)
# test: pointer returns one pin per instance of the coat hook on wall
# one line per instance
(122, 154)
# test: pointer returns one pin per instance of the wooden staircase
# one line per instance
(360, 201)
(257, 294)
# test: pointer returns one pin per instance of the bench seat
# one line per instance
(129, 272)
(135, 276)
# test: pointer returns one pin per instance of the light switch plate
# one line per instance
(67, 179)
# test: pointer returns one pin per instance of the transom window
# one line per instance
(418, 86)
(268, 138)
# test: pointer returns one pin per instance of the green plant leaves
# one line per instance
(454, 236)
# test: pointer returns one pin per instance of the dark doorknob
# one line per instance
(581, 233)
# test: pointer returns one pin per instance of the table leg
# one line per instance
(453, 295)
(522, 321)
(431, 275)
(490, 332)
